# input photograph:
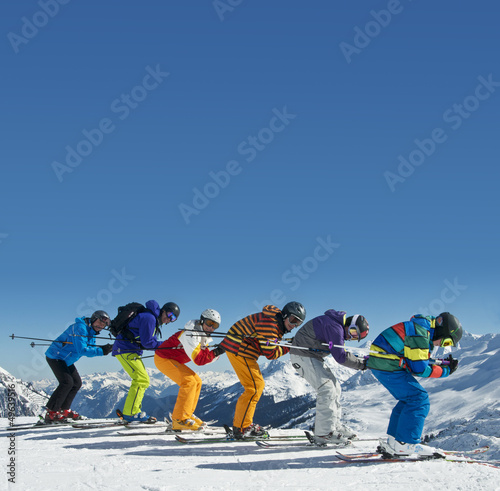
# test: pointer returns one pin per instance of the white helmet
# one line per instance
(210, 314)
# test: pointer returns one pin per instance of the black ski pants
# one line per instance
(69, 384)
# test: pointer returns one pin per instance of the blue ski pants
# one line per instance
(406, 423)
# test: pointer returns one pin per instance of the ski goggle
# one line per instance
(171, 316)
(210, 323)
(446, 342)
(294, 321)
(354, 331)
(105, 319)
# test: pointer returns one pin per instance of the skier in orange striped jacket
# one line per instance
(246, 341)
(189, 344)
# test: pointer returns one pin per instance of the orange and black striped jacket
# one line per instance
(253, 335)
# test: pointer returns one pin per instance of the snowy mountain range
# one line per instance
(29, 400)
(464, 406)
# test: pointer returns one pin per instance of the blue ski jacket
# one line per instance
(82, 339)
(407, 346)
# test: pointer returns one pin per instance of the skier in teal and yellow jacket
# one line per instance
(398, 355)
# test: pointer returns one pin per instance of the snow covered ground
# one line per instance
(102, 459)
(465, 413)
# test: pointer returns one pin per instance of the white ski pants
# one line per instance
(328, 390)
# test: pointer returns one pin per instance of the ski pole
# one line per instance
(95, 337)
(331, 345)
(295, 347)
(13, 336)
(223, 334)
(346, 348)
(267, 342)
(216, 334)
(435, 361)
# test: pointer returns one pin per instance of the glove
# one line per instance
(364, 367)
(453, 363)
(218, 351)
(106, 349)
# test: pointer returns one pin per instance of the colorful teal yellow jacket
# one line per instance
(407, 346)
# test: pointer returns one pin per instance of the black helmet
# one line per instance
(360, 324)
(100, 315)
(173, 308)
(294, 308)
(447, 326)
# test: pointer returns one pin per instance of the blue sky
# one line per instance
(229, 154)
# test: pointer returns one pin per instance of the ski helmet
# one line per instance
(447, 326)
(100, 315)
(294, 308)
(172, 308)
(359, 324)
(212, 315)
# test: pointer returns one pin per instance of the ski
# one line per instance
(298, 444)
(376, 458)
(169, 432)
(49, 426)
(120, 423)
(308, 443)
(207, 429)
(97, 425)
(473, 451)
(208, 440)
(230, 438)
(36, 426)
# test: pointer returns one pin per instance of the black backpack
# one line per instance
(125, 314)
(119, 325)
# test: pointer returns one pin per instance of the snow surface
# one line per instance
(67, 458)
(465, 413)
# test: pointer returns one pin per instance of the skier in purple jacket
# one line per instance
(333, 329)
(141, 333)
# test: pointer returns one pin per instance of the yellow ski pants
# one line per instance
(134, 366)
(189, 386)
(248, 372)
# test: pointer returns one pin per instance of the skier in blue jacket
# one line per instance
(398, 355)
(76, 341)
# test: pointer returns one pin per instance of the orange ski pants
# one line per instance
(189, 386)
(248, 372)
